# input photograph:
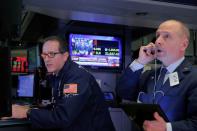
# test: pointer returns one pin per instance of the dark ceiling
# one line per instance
(184, 2)
(122, 12)
(42, 25)
(10, 12)
(44, 16)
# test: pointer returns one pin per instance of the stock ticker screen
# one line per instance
(94, 50)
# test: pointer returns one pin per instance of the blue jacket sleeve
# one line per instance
(128, 84)
(67, 108)
(190, 122)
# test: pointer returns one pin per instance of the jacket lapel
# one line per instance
(182, 71)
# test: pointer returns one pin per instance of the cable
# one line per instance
(155, 80)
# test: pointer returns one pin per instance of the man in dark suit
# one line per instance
(177, 95)
(77, 100)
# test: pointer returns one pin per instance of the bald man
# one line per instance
(177, 95)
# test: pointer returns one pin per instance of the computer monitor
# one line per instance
(25, 86)
(96, 51)
(33, 58)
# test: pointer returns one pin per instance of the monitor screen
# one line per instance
(33, 58)
(19, 62)
(96, 51)
(25, 85)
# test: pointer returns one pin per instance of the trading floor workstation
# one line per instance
(24, 81)
(23, 78)
(103, 48)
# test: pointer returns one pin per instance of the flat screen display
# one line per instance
(96, 51)
(25, 85)
(33, 58)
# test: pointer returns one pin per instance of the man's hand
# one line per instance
(146, 53)
(156, 125)
(19, 111)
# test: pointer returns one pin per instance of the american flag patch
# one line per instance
(70, 89)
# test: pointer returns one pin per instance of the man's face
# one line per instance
(171, 42)
(54, 60)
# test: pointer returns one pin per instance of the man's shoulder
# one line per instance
(78, 70)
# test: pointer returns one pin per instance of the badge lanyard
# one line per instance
(53, 92)
(155, 80)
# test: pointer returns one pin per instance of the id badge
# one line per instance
(174, 79)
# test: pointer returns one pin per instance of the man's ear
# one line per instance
(185, 44)
(66, 55)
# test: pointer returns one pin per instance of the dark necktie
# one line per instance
(161, 77)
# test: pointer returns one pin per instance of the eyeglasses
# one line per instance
(50, 54)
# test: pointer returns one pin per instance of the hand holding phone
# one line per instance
(147, 53)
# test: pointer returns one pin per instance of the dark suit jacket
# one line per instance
(79, 103)
(179, 102)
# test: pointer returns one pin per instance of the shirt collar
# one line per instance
(64, 68)
(171, 68)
